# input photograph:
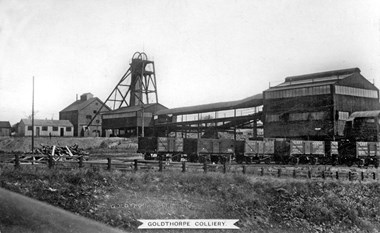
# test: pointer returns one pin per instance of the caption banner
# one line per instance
(188, 224)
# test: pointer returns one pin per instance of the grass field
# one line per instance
(261, 204)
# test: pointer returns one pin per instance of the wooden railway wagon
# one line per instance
(191, 149)
(212, 150)
(256, 151)
(289, 151)
(160, 147)
(360, 153)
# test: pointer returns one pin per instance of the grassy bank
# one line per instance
(275, 205)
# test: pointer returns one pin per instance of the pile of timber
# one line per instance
(57, 153)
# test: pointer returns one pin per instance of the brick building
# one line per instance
(80, 113)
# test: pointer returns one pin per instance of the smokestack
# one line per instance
(77, 97)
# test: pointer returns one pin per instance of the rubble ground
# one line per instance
(261, 204)
(94, 144)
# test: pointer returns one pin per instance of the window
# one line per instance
(94, 111)
(343, 115)
(352, 91)
(290, 93)
(44, 128)
(68, 129)
(55, 128)
(30, 128)
(88, 117)
(305, 116)
(97, 121)
(245, 111)
(272, 117)
(225, 113)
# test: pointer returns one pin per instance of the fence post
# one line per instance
(135, 165)
(279, 172)
(244, 169)
(160, 165)
(294, 173)
(262, 171)
(205, 166)
(109, 164)
(309, 174)
(17, 161)
(81, 161)
(374, 175)
(349, 176)
(50, 161)
(362, 175)
(183, 166)
(337, 175)
(224, 168)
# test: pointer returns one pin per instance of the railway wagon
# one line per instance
(360, 153)
(212, 150)
(284, 151)
(161, 147)
(256, 151)
(306, 151)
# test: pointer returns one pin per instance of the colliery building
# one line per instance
(316, 106)
(81, 112)
(129, 121)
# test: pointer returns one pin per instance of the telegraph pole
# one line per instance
(33, 119)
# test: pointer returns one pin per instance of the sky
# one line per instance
(204, 51)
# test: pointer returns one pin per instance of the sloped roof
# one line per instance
(252, 101)
(315, 79)
(38, 122)
(354, 115)
(5, 124)
(135, 108)
(81, 104)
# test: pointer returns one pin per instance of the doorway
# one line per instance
(62, 132)
(37, 131)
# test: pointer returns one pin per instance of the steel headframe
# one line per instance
(136, 87)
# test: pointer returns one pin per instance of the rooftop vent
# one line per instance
(86, 96)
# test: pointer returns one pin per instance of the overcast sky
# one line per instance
(204, 51)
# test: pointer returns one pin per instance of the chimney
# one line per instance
(77, 97)
(86, 96)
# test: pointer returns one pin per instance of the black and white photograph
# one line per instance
(189, 116)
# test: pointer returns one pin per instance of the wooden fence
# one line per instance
(307, 172)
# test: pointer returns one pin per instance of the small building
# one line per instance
(81, 112)
(316, 106)
(56, 128)
(5, 128)
(130, 121)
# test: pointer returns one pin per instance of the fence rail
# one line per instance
(306, 172)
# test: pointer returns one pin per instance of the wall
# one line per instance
(5, 132)
(90, 110)
(48, 132)
(72, 116)
(307, 129)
